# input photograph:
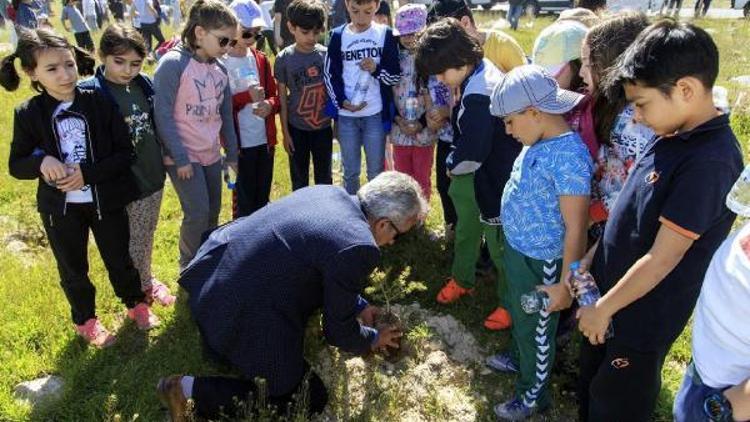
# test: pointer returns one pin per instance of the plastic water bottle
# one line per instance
(410, 107)
(534, 301)
(361, 88)
(230, 176)
(587, 292)
(738, 199)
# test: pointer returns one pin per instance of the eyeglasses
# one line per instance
(250, 33)
(224, 41)
(399, 233)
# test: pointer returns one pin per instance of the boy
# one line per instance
(299, 69)
(482, 155)
(667, 223)
(545, 217)
(80, 29)
(355, 50)
(717, 381)
(500, 48)
(255, 102)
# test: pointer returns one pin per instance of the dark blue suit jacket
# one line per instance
(255, 282)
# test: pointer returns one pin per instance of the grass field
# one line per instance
(36, 336)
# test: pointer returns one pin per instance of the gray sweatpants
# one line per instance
(200, 199)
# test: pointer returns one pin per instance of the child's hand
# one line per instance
(73, 181)
(185, 172)
(348, 106)
(262, 109)
(257, 93)
(559, 297)
(288, 144)
(232, 165)
(52, 169)
(368, 65)
(593, 322)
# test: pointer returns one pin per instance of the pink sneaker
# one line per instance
(159, 293)
(95, 334)
(143, 317)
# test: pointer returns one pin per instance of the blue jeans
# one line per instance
(355, 133)
(514, 15)
(688, 403)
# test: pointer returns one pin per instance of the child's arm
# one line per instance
(388, 72)
(23, 162)
(272, 91)
(333, 71)
(166, 85)
(228, 133)
(64, 18)
(476, 137)
(739, 396)
(287, 137)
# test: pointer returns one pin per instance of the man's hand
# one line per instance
(73, 181)
(369, 314)
(348, 106)
(388, 336)
(559, 297)
(593, 323)
(262, 109)
(52, 169)
(185, 172)
(368, 65)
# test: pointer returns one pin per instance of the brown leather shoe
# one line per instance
(169, 391)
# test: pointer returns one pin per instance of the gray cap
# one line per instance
(530, 86)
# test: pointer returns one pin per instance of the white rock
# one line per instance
(39, 390)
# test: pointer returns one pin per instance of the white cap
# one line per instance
(248, 13)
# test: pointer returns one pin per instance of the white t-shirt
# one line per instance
(242, 72)
(355, 48)
(71, 132)
(721, 326)
(145, 15)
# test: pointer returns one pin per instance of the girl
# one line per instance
(621, 139)
(77, 145)
(413, 142)
(123, 51)
(192, 109)
(255, 102)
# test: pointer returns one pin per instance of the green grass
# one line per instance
(37, 337)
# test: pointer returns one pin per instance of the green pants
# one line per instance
(469, 231)
(533, 344)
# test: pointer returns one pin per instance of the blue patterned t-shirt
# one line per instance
(530, 209)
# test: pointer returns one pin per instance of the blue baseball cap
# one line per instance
(530, 86)
(248, 13)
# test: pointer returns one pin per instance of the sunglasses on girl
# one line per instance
(250, 33)
(224, 41)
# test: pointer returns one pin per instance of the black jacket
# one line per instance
(108, 157)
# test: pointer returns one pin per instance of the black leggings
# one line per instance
(220, 396)
(254, 177)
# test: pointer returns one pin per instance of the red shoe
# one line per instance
(143, 317)
(159, 293)
(95, 334)
(451, 292)
(499, 319)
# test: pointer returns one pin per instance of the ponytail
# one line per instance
(209, 14)
(85, 62)
(9, 78)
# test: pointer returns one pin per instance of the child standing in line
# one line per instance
(361, 66)
(299, 72)
(413, 142)
(123, 51)
(669, 219)
(255, 103)
(77, 145)
(80, 29)
(544, 213)
(192, 108)
(481, 160)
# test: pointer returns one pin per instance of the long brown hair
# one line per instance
(606, 42)
(30, 43)
(208, 14)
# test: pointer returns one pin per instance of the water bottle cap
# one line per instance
(575, 265)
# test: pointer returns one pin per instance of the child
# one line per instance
(668, 221)
(77, 145)
(88, 9)
(355, 50)
(544, 218)
(26, 13)
(383, 14)
(622, 140)
(438, 119)
(122, 50)
(192, 108)
(255, 103)
(413, 142)
(299, 72)
(500, 48)
(717, 382)
(80, 29)
(149, 19)
(482, 155)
